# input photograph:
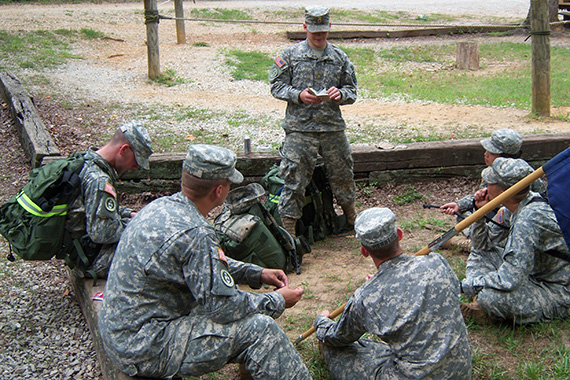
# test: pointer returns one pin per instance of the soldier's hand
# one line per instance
(334, 93)
(274, 277)
(306, 96)
(450, 208)
(291, 295)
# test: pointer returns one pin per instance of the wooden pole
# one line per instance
(179, 13)
(491, 205)
(540, 32)
(151, 21)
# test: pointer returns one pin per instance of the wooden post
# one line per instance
(179, 13)
(540, 31)
(151, 21)
(467, 56)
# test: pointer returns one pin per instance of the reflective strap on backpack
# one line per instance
(275, 197)
(29, 205)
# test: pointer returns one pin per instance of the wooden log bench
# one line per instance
(85, 291)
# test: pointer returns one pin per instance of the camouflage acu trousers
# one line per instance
(531, 302)
(257, 341)
(299, 154)
(363, 359)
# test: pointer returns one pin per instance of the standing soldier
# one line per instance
(314, 125)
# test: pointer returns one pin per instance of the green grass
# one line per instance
(250, 65)
(168, 78)
(410, 194)
(427, 73)
(219, 14)
(41, 49)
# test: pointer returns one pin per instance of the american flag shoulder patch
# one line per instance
(280, 62)
(110, 189)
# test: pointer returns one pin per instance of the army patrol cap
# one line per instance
(503, 141)
(211, 162)
(317, 19)
(376, 227)
(138, 138)
(506, 171)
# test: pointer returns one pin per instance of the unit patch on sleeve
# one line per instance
(227, 278)
(110, 204)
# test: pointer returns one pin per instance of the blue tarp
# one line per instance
(557, 172)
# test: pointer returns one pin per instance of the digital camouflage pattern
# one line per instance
(172, 307)
(211, 162)
(487, 243)
(298, 68)
(96, 216)
(529, 285)
(299, 154)
(376, 227)
(412, 305)
(139, 140)
(317, 18)
(506, 171)
(503, 141)
(313, 129)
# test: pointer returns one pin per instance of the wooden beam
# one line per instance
(35, 140)
(416, 32)
(180, 29)
(84, 291)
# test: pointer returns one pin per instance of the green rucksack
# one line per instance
(247, 232)
(319, 218)
(33, 221)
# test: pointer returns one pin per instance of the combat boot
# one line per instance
(473, 310)
(350, 214)
(244, 374)
(289, 224)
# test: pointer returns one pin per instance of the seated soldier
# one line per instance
(502, 143)
(526, 282)
(172, 307)
(411, 304)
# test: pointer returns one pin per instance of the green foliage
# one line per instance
(251, 65)
(91, 34)
(34, 50)
(168, 78)
(410, 194)
(219, 14)
(428, 73)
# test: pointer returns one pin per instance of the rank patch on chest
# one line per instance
(227, 278)
(110, 204)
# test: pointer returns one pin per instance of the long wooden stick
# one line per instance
(491, 205)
